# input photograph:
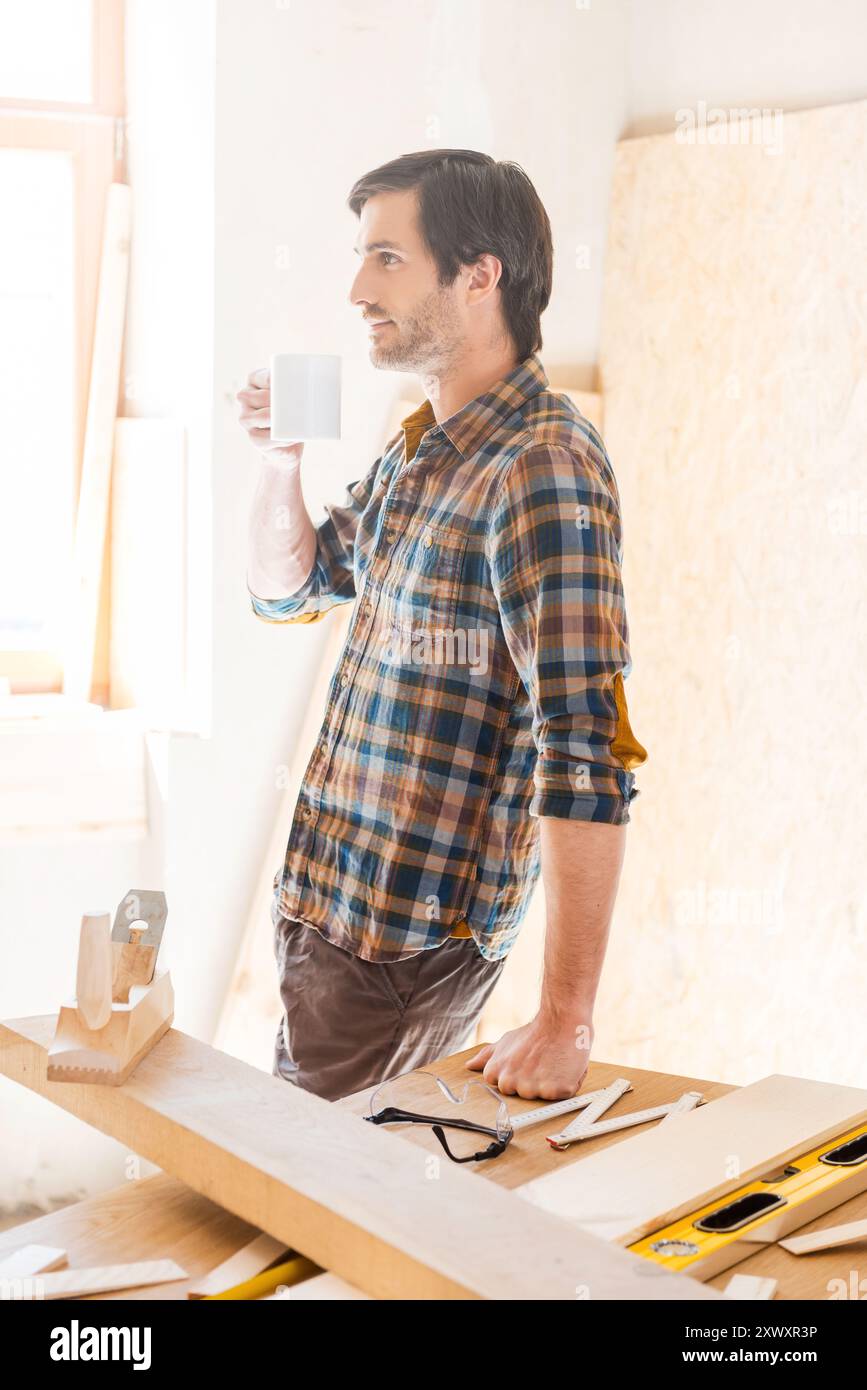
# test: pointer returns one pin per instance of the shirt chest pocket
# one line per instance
(425, 577)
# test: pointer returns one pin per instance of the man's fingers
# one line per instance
(477, 1062)
(251, 396)
(262, 418)
(261, 377)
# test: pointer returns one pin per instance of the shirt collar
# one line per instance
(475, 422)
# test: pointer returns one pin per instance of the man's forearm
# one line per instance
(581, 863)
(282, 537)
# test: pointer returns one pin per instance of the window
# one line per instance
(61, 109)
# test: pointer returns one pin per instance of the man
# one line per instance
(476, 730)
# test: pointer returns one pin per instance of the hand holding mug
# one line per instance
(255, 417)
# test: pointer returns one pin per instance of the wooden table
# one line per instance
(162, 1216)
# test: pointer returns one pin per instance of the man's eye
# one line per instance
(387, 256)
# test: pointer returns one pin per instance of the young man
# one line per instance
(476, 729)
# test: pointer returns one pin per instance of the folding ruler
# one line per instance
(544, 1113)
(588, 1124)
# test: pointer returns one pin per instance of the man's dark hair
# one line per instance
(470, 204)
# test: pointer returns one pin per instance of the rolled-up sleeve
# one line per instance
(332, 579)
(554, 550)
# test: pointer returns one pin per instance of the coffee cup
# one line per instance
(305, 396)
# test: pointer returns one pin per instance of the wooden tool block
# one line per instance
(630, 1189)
(109, 1055)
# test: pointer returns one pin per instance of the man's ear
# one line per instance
(485, 275)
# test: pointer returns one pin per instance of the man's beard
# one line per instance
(424, 341)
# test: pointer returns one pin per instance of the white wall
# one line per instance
(768, 53)
(249, 124)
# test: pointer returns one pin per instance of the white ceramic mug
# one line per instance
(305, 396)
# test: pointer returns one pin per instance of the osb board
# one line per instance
(664, 1173)
(733, 374)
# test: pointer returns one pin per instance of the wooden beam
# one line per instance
(361, 1203)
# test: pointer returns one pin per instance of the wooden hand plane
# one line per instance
(122, 1004)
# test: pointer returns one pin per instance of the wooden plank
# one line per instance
(750, 1287)
(362, 1204)
(655, 1177)
(79, 1283)
(154, 1215)
(92, 514)
(32, 1259)
(848, 1234)
(251, 1259)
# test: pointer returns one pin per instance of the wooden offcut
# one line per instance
(78, 1283)
(851, 1233)
(257, 1255)
(31, 1260)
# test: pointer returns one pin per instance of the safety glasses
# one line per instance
(473, 1110)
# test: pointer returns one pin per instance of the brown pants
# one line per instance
(349, 1023)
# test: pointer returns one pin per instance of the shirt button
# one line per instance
(344, 679)
(390, 537)
(307, 813)
(428, 541)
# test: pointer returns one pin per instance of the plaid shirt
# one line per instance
(481, 682)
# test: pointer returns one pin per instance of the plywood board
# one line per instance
(646, 1181)
(361, 1203)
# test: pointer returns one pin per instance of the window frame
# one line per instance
(91, 133)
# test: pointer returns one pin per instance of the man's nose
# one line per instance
(355, 295)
